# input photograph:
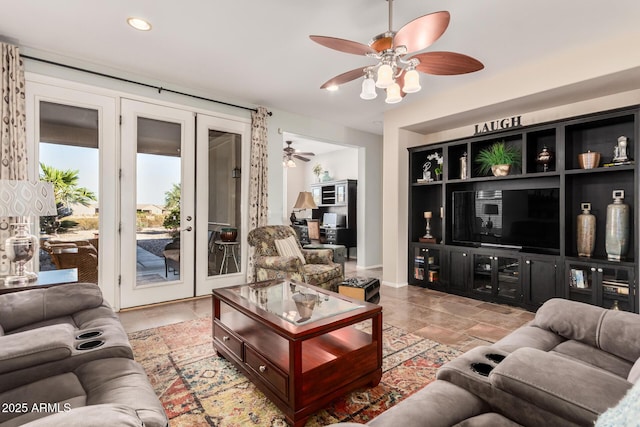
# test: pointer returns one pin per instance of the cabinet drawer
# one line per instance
(227, 339)
(271, 375)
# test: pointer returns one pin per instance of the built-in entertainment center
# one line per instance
(513, 238)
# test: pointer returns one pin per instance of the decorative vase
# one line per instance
(500, 170)
(325, 176)
(589, 160)
(586, 231)
(617, 228)
(544, 158)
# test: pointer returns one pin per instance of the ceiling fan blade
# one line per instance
(301, 158)
(447, 63)
(305, 154)
(343, 45)
(422, 32)
(344, 78)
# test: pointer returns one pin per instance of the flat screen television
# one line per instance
(527, 219)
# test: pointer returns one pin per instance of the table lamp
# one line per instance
(490, 209)
(22, 199)
(304, 201)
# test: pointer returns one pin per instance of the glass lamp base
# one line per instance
(27, 279)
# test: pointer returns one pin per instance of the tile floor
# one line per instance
(460, 322)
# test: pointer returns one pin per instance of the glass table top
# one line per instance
(294, 302)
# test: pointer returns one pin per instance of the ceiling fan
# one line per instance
(289, 153)
(398, 64)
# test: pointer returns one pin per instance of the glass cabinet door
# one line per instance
(508, 277)
(482, 271)
(617, 288)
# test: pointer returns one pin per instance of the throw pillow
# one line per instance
(289, 247)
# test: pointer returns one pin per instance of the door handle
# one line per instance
(189, 228)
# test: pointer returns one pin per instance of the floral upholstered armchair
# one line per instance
(279, 256)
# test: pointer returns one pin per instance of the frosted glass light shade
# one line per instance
(368, 89)
(393, 94)
(385, 76)
(411, 82)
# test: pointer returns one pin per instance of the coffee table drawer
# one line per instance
(227, 339)
(267, 371)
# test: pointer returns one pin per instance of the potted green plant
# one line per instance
(498, 159)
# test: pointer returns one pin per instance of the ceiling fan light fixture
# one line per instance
(291, 163)
(368, 89)
(385, 76)
(393, 94)
(411, 82)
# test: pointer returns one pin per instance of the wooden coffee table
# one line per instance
(299, 344)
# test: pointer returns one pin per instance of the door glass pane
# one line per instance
(482, 273)
(224, 203)
(508, 277)
(69, 158)
(158, 182)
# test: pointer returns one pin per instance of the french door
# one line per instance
(157, 203)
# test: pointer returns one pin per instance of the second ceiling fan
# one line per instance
(398, 64)
(289, 153)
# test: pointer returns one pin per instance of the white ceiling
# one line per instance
(256, 52)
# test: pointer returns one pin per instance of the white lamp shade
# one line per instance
(291, 163)
(411, 82)
(393, 94)
(25, 198)
(385, 76)
(368, 89)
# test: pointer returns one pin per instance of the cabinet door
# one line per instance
(616, 287)
(316, 192)
(539, 280)
(483, 268)
(458, 270)
(508, 278)
(581, 281)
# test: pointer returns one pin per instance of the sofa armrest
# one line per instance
(35, 347)
(318, 256)
(280, 263)
(570, 389)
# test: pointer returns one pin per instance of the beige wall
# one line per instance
(594, 78)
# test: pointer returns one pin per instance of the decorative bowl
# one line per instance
(589, 160)
(228, 234)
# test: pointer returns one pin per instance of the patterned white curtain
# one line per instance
(13, 134)
(258, 201)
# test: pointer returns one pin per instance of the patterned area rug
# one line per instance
(198, 388)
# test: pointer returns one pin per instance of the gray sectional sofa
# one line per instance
(66, 360)
(573, 365)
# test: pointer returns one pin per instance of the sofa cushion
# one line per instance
(620, 334)
(440, 402)
(574, 391)
(61, 392)
(571, 320)
(490, 419)
(106, 415)
(289, 247)
(37, 305)
(594, 356)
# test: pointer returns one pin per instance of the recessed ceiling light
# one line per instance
(139, 24)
